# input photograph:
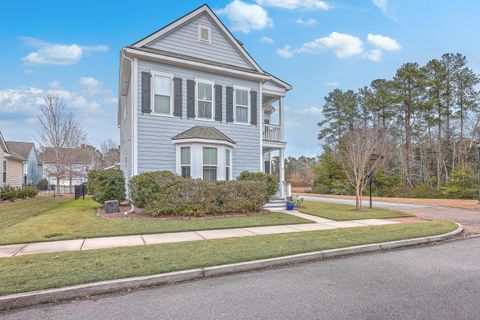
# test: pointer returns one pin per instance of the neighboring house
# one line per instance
(72, 168)
(27, 151)
(11, 165)
(193, 101)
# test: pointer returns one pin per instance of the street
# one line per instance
(432, 282)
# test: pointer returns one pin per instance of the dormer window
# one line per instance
(204, 34)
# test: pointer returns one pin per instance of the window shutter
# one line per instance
(177, 96)
(253, 107)
(229, 92)
(190, 98)
(218, 102)
(146, 92)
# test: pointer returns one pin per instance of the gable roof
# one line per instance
(3, 143)
(77, 155)
(203, 132)
(188, 17)
(21, 149)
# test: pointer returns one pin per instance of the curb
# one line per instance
(26, 299)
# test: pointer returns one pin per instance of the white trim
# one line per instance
(154, 73)
(260, 111)
(135, 98)
(209, 82)
(195, 65)
(190, 16)
(204, 141)
(235, 88)
(200, 27)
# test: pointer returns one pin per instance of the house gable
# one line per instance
(182, 37)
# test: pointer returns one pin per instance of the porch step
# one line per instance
(276, 204)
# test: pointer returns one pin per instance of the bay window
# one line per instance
(185, 161)
(241, 105)
(210, 162)
(204, 99)
(162, 94)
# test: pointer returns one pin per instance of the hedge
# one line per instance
(12, 193)
(270, 180)
(163, 193)
(106, 185)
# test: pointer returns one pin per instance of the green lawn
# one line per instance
(342, 212)
(41, 271)
(77, 219)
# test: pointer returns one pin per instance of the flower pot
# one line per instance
(290, 206)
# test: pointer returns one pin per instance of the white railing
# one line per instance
(284, 191)
(272, 132)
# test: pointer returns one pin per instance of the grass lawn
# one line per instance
(342, 212)
(77, 219)
(41, 271)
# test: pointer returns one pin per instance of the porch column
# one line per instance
(282, 172)
(282, 117)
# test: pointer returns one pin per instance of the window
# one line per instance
(4, 175)
(162, 91)
(210, 163)
(204, 34)
(241, 105)
(227, 164)
(205, 100)
(185, 162)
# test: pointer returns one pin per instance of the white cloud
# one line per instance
(309, 22)
(296, 4)
(383, 42)
(58, 54)
(285, 52)
(246, 17)
(332, 84)
(382, 5)
(374, 55)
(314, 111)
(266, 40)
(55, 85)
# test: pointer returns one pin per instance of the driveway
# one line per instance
(435, 282)
(469, 218)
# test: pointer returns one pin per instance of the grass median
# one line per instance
(77, 219)
(42, 271)
(343, 212)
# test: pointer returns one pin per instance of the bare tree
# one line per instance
(60, 131)
(110, 153)
(360, 152)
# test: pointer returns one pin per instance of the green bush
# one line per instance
(12, 193)
(8, 193)
(106, 185)
(270, 180)
(162, 193)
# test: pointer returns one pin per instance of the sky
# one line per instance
(72, 48)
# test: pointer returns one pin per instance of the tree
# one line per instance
(60, 131)
(110, 153)
(360, 153)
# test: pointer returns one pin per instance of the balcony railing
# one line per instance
(272, 132)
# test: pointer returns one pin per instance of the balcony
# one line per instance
(272, 133)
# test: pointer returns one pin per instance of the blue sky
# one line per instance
(72, 48)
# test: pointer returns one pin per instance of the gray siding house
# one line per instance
(193, 101)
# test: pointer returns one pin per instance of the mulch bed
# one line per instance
(139, 214)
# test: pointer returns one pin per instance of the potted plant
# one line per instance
(290, 203)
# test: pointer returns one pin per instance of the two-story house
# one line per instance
(193, 101)
(15, 160)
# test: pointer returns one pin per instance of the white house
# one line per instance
(193, 101)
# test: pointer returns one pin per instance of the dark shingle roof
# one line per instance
(20, 149)
(202, 132)
(79, 155)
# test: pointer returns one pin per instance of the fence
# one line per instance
(53, 190)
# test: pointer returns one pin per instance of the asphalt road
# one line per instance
(470, 219)
(433, 282)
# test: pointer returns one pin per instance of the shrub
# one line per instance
(43, 184)
(162, 193)
(270, 180)
(106, 185)
(8, 193)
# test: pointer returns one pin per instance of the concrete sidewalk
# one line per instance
(138, 240)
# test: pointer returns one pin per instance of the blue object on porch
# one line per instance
(289, 206)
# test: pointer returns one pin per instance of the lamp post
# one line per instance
(373, 157)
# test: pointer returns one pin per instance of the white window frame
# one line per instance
(200, 27)
(229, 164)
(217, 165)
(209, 82)
(189, 160)
(152, 93)
(235, 88)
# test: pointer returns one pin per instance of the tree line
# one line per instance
(427, 118)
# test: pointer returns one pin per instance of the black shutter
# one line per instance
(218, 102)
(190, 99)
(229, 92)
(253, 107)
(177, 96)
(146, 92)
